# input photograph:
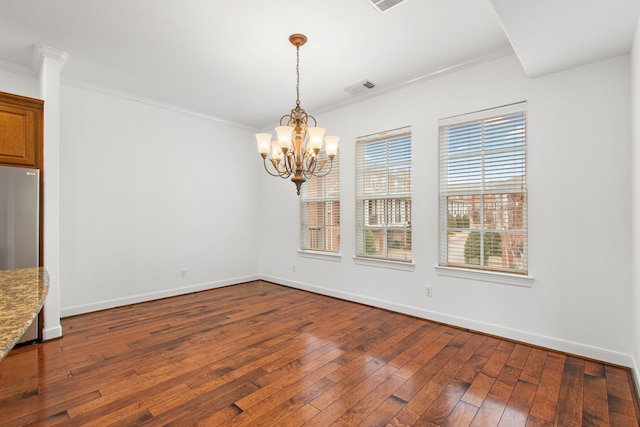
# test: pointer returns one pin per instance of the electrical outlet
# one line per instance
(428, 291)
(183, 274)
(293, 268)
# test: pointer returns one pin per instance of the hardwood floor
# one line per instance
(263, 354)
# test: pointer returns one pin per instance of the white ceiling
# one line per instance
(553, 35)
(232, 59)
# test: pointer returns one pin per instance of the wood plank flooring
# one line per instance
(262, 354)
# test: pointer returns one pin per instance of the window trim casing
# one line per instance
(376, 261)
(321, 255)
(384, 263)
(524, 279)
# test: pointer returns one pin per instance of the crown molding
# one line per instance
(81, 84)
(14, 68)
(40, 52)
(33, 71)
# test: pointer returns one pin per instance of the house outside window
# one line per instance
(483, 190)
(383, 205)
(320, 211)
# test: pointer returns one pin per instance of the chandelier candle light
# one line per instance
(296, 150)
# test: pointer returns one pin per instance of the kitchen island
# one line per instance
(22, 294)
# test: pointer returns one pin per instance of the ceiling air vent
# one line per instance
(384, 5)
(360, 87)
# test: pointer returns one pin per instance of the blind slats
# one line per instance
(483, 190)
(383, 189)
(320, 210)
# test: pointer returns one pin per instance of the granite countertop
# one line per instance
(22, 294)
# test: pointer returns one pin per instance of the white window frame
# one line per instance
(321, 240)
(384, 207)
(474, 183)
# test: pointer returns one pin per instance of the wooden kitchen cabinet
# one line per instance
(21, 130)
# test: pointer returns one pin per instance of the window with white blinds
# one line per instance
(320, 210)
(483, 190)
(383, 205)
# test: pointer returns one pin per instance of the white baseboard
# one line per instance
(52, 333)
(134, 299)
(635, 371)
(551, 343)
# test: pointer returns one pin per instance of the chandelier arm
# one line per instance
(286, 116)
(320, 171)
(289, 163)
(280, 169)
(313, 166)
(323, 171)
(310, 164)
(281, 174)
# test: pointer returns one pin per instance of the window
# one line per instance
(320, 211)
(483, 190)
(383, 206)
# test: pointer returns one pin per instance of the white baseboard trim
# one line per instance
(134, 299)
(635, 371)
(544, 341)
(51, 333)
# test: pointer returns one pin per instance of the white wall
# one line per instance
(579, 214)
(147, 192)
(23, 83)
(635, 161)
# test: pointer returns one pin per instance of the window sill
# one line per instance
(325, 256)
(383, 263)
(486, 276)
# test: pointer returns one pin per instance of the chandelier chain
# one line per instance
(297, 76)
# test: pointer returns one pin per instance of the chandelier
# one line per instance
(295, 153)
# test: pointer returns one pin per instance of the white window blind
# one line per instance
(320, 210)
(383, 205)
(483, 190)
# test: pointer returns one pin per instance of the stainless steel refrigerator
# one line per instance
(20, 224)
